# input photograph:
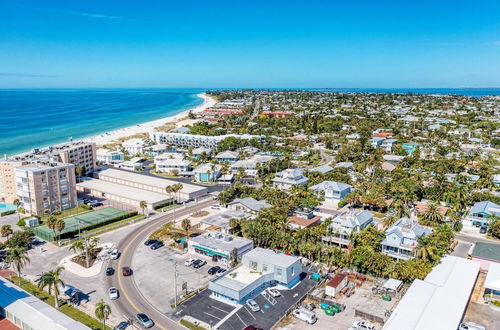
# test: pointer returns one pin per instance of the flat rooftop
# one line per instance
(239, 278)
(120, 190)
(149, 180)
(219, 241)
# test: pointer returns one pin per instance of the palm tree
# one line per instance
(176, 188)
(186, 225)
(52, 280)
(59, 226)
(17, 203)
(432, 214)
(18, 257)
(51, 224)
(143, 205)
(169, 190)
(102, 312)
(426, 252)
(5, 230)
(79, 171)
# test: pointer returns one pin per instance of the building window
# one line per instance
(279, 271)
(264, 268)
(293, 271)
(253, 265)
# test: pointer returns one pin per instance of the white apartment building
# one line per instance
(134, 146)
(45, 188)
(109, 157)
(190, 140)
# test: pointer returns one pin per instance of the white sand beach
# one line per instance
(150, 126)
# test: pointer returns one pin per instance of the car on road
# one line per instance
(273, 292)
(198, 263)
(220, 272)
(150, 241)
(213, 270)
(144, 320)
(113, 293)
(363, 325)
(126, 271)
(122, 326)
(156, 245)
(114, 254)
(253, 305)
(110, 271)
(483, 230)
(189, 262)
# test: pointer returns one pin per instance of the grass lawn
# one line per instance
(69, 310)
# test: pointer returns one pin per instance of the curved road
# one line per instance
(131, 301)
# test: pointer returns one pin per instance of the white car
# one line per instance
(363, 325)
(273, 292)
(113, 293)
(253, 305)
(114, 254)
(189, 262)
(471, 326)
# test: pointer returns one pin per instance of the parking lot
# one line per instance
(154, 274)
(227, 317)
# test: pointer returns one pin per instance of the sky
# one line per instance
(223, 44)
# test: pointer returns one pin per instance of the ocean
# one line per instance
(41, 117)
(32, 118)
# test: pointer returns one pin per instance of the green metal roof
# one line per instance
(486, 251)
(210, 252)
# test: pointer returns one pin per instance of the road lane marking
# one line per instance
(244, 324)
(215, 317)
(249, 313)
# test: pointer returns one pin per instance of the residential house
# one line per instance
(198, 153)
(410, 147)
(331, 190)
(492, 282)
(376, 142)
(297, 221)
(207, 172)
(227, 156)
(109, 157)
(134, 164)
(221, 221)
(388, 144)
(345, 224)
(172, 166)
(323, 169)
(248, 204)
(288, 178)
(481, 211)
(250, 165)
(336, 284)
(134, 146)
(401, 238)
(486, 254)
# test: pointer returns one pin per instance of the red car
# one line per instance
(126, 271)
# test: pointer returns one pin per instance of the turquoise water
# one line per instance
(7, 207)
(37, 118)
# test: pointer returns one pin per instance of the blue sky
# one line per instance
(188, 43)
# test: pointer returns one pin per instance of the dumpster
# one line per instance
(386, 297)
(324, 306)
(336, 309)
(316, 277)
(330, 312)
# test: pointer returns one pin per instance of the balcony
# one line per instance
(400, 254)
(336, 239)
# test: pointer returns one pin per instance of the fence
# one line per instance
(368, 316)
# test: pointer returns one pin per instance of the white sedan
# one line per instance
(113, 293)
(189, 262)
(363, 325)
(273, 292)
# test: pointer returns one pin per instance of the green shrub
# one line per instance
(57, 213)
(159, 206)
(95, 225)
(7, 213)
(86, 207)
(21, 222)
(495, 303)
(190, 325)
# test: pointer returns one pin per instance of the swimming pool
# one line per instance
(7, 207)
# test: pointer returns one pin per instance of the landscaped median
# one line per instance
(69, 310)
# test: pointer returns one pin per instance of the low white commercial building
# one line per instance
(29, 312)
(108, 157)
(219, 246)
(440, 300)
(173, 165)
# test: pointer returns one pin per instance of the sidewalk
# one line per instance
(81, 271)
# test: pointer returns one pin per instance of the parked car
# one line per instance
(110, 271)
(150, 241)
(144, 320)
(471, 326)
(122, 326)
(273, 292)
(215, 207)
(252, 327)
(113, 293)
(198, 263)
(483, 230)
(189, 262)
(126, 271)
(363, 325)
(253, 305)
(220, 272)
(156, 245)
(213, 270)
(305, 315)
(114, 254)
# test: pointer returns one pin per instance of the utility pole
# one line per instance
(175, 284)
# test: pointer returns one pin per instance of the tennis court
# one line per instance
(82, 221)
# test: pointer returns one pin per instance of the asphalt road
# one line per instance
(131, 300)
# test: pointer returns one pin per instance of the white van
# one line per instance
(471, 326)
(305, 315)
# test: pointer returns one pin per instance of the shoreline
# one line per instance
(149, 126)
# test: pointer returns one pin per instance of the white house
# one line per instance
(288, 178)
(109, 157)
(207, 172)
(345, 224)
(134, 146)
(331, 190)
(401, 238)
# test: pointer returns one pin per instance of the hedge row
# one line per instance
(71, 233)
(7, 213)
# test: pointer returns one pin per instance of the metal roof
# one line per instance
(488, 251)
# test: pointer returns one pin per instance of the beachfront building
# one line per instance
(81, 154)
(288, 178)
(109, 157)
(150, 183)
(207, 172)
(190, 140)
(331, 190)
(120, 194)
(21, 310)
(45, 188)
(259, 269)
(401, 238)
(345, 224)
(8, 186)
(219, 246)
(134, 146)
(481, 211)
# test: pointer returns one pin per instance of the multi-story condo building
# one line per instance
(344, 225)
(401, 238)
(8, 191)
(190, 140)
(45, 188)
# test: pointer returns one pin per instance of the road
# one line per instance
(131, 300)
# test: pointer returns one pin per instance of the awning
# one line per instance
(210, 252)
